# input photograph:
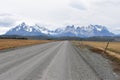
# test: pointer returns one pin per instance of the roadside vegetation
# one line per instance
(113, 46)
(112, 52)
(13, 43)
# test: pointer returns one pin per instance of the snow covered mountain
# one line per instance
(26, 30)
(89, 31)
(93, 30)
(23, 30)
(71, 31)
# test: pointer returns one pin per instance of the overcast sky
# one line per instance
(57, 13)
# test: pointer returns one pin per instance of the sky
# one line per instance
(58, 13)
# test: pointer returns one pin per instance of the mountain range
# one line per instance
(70, 31)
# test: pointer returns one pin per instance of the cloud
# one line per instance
(78, 5)
(3, 30)
(5, 14)
(7, 20)
(107, 2)
(59, 12)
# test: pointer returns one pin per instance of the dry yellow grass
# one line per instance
(113, 46)
(12, 43)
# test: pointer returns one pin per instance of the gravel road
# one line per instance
(53, 61)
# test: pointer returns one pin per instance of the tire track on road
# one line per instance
(12, 62)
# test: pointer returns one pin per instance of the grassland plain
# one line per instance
(13, 43)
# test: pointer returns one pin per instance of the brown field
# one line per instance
(113, 46)
(12, 43)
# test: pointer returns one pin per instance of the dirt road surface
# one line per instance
(53, 61)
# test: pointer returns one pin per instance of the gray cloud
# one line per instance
(108, 2)
(78, 5)
(7, 20)
(5, 14)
